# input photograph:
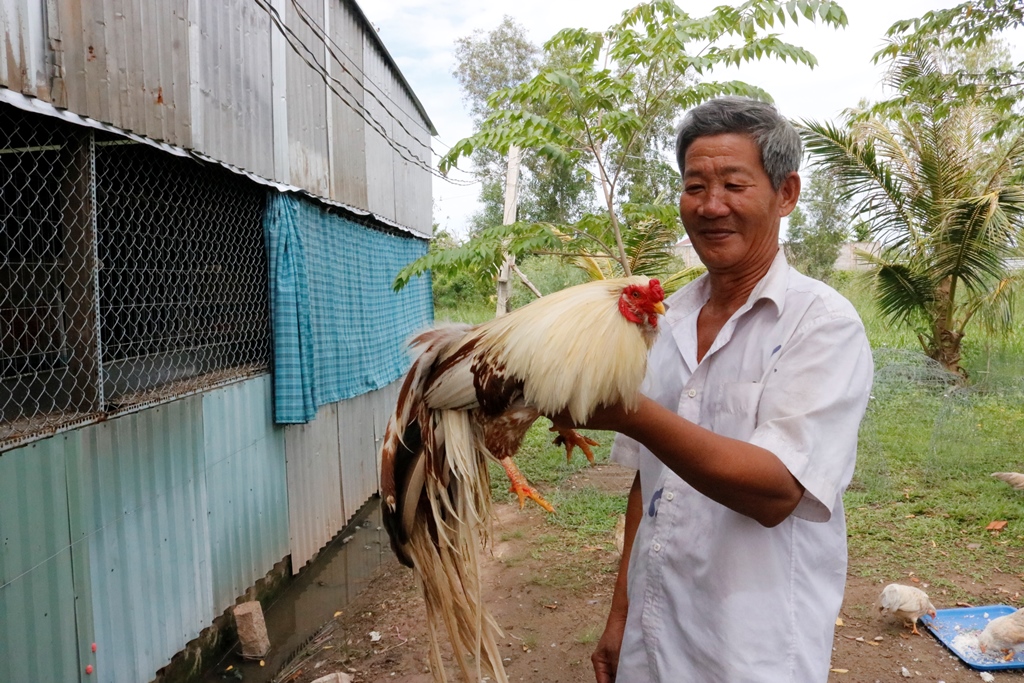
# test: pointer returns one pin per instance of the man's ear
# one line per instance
(789, 193)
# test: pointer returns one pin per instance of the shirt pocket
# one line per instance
(734, 409)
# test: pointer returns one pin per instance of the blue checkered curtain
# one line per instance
(339, 329)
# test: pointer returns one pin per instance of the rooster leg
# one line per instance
(521, 487)
(913, 628)
(570, 438)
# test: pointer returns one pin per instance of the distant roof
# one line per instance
(387, 55)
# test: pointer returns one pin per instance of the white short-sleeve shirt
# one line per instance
(713, 595)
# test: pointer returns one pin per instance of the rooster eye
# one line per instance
(635, 294)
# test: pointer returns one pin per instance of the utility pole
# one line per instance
(515, 155)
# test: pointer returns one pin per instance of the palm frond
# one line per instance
(980, 235)
(868, 180)
(673, 282)
(902, 292)
(996, 310)
(649, 244)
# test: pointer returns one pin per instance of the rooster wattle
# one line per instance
(471, 394)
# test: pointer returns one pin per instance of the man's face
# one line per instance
(728, 206)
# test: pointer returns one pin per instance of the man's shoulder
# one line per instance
(819, 298)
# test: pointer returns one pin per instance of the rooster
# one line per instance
(471, 394)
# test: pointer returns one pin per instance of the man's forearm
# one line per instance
(743, 477)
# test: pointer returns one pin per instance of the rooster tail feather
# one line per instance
(445, 549)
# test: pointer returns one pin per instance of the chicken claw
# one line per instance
(521, 487)
(570, 438)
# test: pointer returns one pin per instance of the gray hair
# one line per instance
(781, 149)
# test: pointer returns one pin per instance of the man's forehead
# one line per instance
(697, 168)
(724, 153)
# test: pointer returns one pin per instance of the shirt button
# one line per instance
(669, 495)
(657, 547)
(691, 393)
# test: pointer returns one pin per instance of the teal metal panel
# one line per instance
(137, 496)
(37, 600)
(315, 512)
(246, 485)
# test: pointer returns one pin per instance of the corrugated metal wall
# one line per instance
(246, 487)
(125, 63)
(200, 75)
(230, 95)
(37, 597)
(314, 484)
(348, 128)
(23, 63)
(135, 533)
(330, 475)
(138, 499)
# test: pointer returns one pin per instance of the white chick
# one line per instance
(1005, 633)
(905, 602)
(1014, 479)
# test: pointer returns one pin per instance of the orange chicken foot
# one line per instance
(570, 438)
(521, 487)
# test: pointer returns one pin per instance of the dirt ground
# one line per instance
(552, 604)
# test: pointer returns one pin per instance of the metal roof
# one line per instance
(372, 31)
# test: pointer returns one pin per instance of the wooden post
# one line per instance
(511, 200)
(84, 379)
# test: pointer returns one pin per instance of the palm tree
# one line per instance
(942, 196)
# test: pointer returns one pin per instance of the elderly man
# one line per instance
(735, 556)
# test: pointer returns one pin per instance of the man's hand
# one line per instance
(606, 418)
(606, 656)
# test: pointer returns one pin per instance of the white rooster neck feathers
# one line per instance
(565, 325)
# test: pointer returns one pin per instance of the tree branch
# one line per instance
(526, 281)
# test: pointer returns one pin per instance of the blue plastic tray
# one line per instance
(969, 619)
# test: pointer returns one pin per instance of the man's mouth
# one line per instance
(715, 235)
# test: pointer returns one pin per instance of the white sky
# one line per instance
(420, 35)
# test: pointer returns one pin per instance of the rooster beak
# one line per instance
(660, 308)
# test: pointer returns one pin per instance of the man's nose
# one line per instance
(713, 205)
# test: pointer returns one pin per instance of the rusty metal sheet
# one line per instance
(23, 63)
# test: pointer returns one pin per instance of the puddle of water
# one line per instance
(337, 575)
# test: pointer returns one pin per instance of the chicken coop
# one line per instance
(203, 206)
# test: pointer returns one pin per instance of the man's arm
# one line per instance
(746, 478)
(606, 656)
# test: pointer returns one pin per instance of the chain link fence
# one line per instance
(128, 276)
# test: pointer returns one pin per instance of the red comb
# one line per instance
(657, 291)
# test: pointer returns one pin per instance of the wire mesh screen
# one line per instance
(127, 276)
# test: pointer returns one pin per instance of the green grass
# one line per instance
(922, 493)
(587, 513)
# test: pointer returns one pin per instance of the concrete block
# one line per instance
(252, 630)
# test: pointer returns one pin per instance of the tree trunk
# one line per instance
(511, 200)
(945, 343)
(945, 349)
